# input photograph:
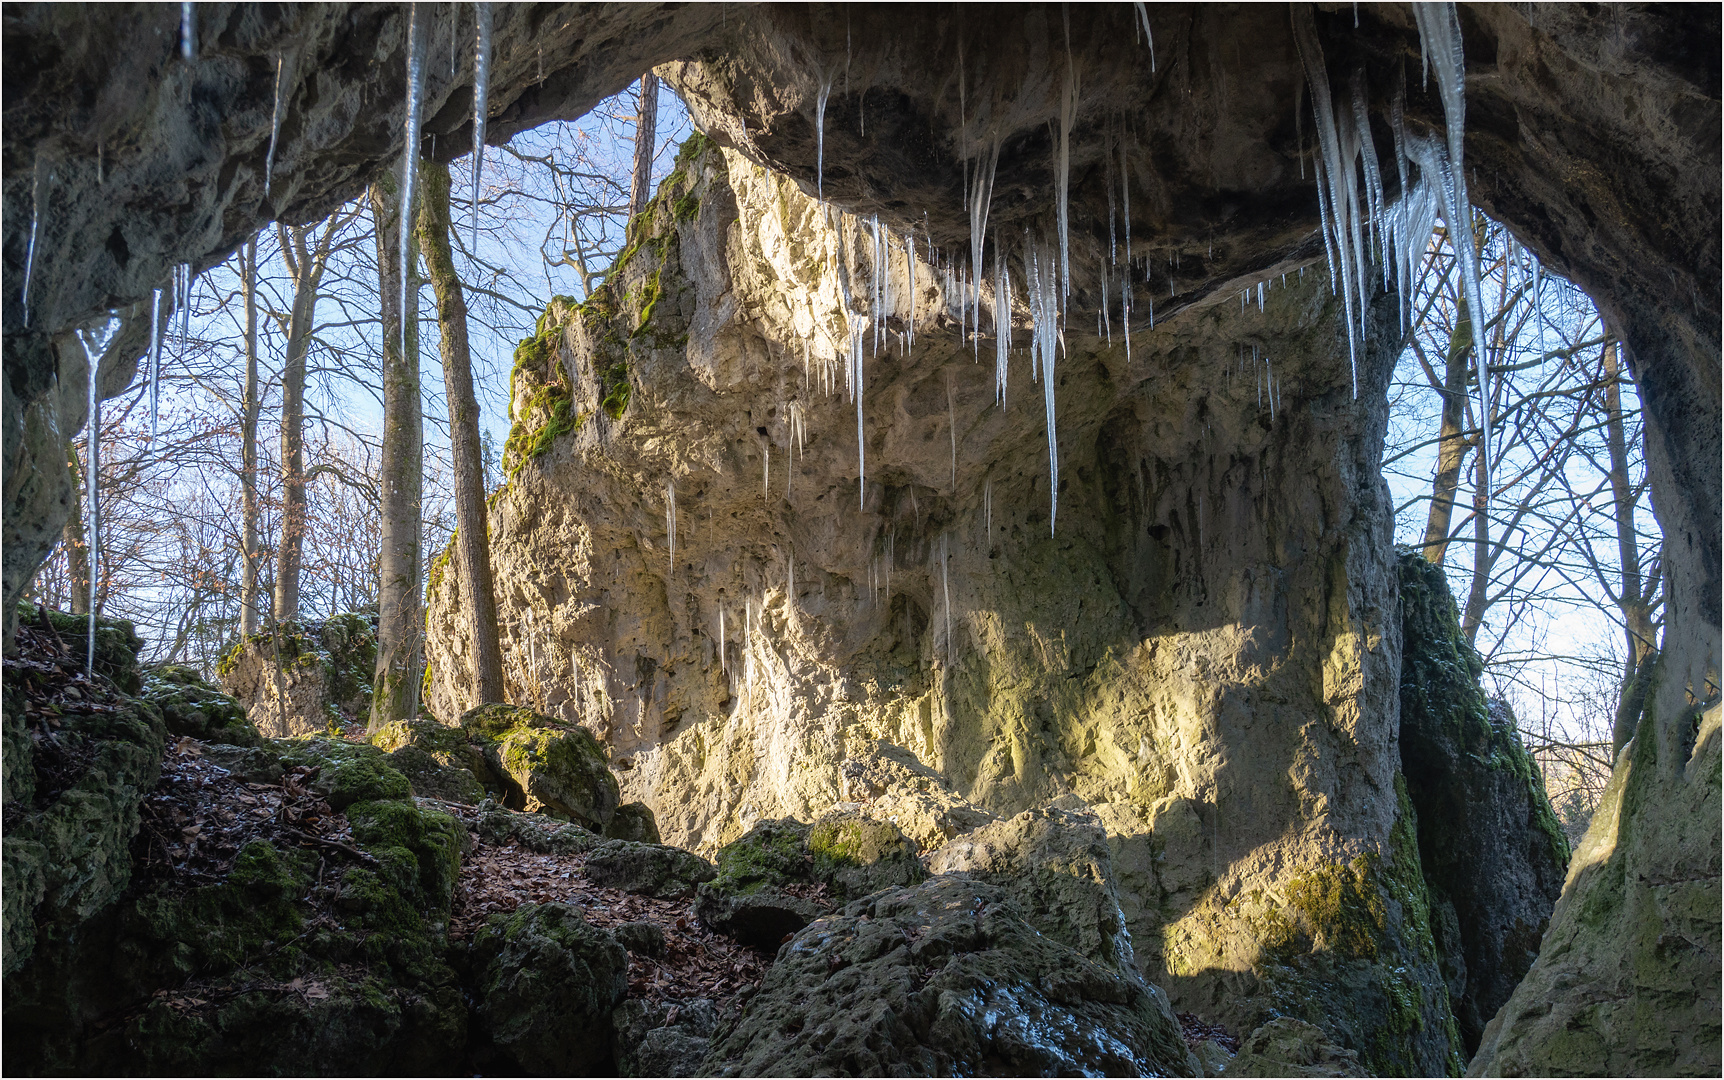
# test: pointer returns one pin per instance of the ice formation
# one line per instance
(188, 30)
(36, 194)
(670, 520)
(96, 344)
(481, 100)
(155, 373)
(418, 37)
(275, 119)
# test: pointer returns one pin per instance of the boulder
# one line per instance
(546, 765)
(889, 783)
(546, 981)
(433, 779)
(1058, 865)
(642, 938)
(253, 764)
(655, 870)
(765, 888)
(663, 1040)
(634, 821)
(533, 832)
(947, 978)
(1288, 1047)
(347, 772)
(857, 855)
(191, 706)
(304, 677)
(452, 747)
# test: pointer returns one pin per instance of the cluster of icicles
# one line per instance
(1353, 228)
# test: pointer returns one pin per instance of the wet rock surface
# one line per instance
(946, 978)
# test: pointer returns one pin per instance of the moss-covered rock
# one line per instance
(557, 768)
(546, 981)
(858, 856)
(751, 898)
(947, 978)
(348, 772)
(191, 706)
(67, 845)
(1492, 850)
(534, 832)
(305, 677)
(1288, 1047)
(117, 642)
(634, 821)
(667, 873)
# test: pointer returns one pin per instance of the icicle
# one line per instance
(1143, 17)
(418, 36)
(188, 30)
(275, 120)
(670, 520)
(820, 141)
(95, 347)
(1334, 174)
(155, 360)
(481, 100)
(723, 656)
(1125, 278)
(856, 391)
(1002, 321)
(910, 323)
(1440, 40)
(765, 469)
(1068, 117)
(980, 199)
(1259, 298)
(952, 426)
(37, 194)
(184, 303)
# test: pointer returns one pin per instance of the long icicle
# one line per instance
(1440, 40)
(1334, 172)
(670, 520)
(155, 360)
(95, 347)
(481, 101)
(37, 193)
(418, 35)
(275, 120)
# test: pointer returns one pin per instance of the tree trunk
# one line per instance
(249, 410)
(72, 537)
(646, 128)
(1478, 595)
(400, 622)
(1453, 443)
(305, 272)
(1635, 594)
(472, 532)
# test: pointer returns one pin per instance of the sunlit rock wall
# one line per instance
(1205, 650)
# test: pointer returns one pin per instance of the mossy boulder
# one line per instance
(544, 765)
(857, 855)
(782, 874)
(947, 978)
(191, 706)
(634, 821)
(304, 677)
(534, 832)
(545, 982)
(752, 897)
(450, 747)
(1289, 1047)
(66, 849)
(117, 642)
(348, 772)
(433, 779)
(667, 873)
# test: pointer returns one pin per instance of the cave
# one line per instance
(1181, 613)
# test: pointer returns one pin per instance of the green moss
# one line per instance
(617, 390)
(348, 772)
(772, 853)
(428, 836)
(850, 840)
(650, 293)
(686, 206)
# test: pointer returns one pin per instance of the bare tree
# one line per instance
(250, 407)
(400, 621)
(472, 531)
(646, 125)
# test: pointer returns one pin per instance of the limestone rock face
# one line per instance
(1491, 849)
(1627, 982)
(301, 678)
(947, 978)
(1209, 665)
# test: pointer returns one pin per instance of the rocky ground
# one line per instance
(300, 906)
